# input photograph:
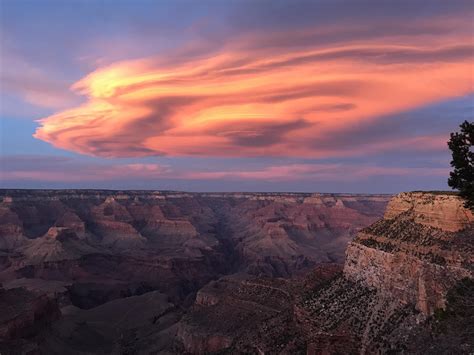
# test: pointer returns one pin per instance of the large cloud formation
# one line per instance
(288, 93)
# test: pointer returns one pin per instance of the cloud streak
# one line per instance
(69, 170)
(63, 169)
(267, 94)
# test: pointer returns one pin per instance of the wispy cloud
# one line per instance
(64, 169)
(71, 170)
(37, 87)
(263, 95)
(316, 172)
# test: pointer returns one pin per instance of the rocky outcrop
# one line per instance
(195, 341)
(59, 243)
(55, 290)
(403, 277)
(439, 210)
(11, 230)
(406, 283)
(419, 251)
(232, 314)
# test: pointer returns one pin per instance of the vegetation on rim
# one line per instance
(462, 177)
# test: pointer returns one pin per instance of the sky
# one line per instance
(238, 95)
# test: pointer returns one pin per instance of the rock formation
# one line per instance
(24, 314)
(265, 233)
(88, 248)
(400, 275)
(172, 272)
(421, 248)
(439, 210)
(403, 282)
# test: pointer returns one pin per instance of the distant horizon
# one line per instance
(106, 187)
(452, 192)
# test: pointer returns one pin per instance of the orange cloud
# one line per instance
(245, 101)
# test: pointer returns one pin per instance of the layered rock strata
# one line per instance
(417, 252)
(405, 287)
(217, 261)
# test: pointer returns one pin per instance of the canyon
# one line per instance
(130, 272)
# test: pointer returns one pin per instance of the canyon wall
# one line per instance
(106, 251)
(272, 234)
(405, 287)
(417, 252)
(239, 273)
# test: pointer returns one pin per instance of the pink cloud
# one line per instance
(35, 86)
(53, 169)
(69, 171)
(246, 100)
(316, 172)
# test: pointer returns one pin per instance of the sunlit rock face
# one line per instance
(397, 273)
(417, 252)
(405, 287)
(443, 211)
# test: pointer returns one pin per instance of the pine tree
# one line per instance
(462, 177)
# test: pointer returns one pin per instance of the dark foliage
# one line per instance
(462, 177)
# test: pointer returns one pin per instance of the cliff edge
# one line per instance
(406, 287)
(417, 252)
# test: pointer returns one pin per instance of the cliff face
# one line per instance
(241, 314)
(417, 252)
(437, 210)
(399, 271)
(406, 286)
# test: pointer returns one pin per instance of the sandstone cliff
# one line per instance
(407, 278)
(420, 249)
(439, 210)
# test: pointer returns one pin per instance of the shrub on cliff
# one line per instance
(462, 177)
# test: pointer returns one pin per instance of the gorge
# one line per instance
(98, 271)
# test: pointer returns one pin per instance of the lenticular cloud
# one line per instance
(245, 101)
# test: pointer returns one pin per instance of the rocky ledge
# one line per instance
(407, 284)
(439, 210)
(420, 249)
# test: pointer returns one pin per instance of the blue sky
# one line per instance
(328, 96)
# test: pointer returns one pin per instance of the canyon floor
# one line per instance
(144, 272)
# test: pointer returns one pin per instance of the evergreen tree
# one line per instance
(462, 177)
